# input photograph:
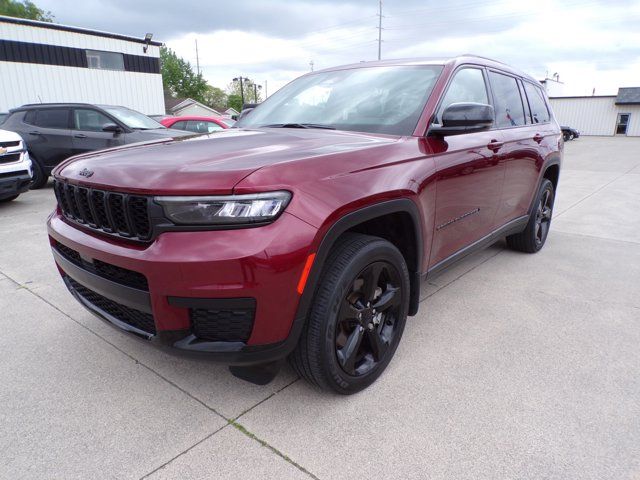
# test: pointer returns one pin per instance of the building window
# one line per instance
(622, 123)
(105, 60)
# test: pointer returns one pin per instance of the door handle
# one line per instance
(495, 145)
(80, 135)
(538, 138)
(35, 132)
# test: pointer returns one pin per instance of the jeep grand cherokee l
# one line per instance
(56, 131)
(305, 233)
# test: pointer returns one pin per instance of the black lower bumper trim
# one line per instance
(128, 296)
(14, 185)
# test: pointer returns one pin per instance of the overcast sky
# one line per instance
(590, 44)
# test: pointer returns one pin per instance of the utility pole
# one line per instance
(379, 29)
(255, 92)
(197, 58)
(265, 90)
(311, 64)
(241, 79)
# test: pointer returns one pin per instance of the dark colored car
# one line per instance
(56, 131)
(569, 133)
(197, 124)
(307, 231)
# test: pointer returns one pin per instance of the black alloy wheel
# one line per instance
(356, 317)
(534, 236)
(543, 217)
(367, 320)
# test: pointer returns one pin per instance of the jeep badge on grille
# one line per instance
(85, 172)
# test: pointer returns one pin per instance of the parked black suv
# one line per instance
(54, 132)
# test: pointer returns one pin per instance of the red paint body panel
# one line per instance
(169, 121)
(252, 262)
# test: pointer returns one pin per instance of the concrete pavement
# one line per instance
(517, 366)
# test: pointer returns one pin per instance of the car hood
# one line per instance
(206, 164)
(157, 133)
(7, 136)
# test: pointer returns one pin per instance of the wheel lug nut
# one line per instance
(370, 326)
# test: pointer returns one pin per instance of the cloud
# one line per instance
(588, 42)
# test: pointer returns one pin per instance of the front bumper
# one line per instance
(183, 274)
(15, 177)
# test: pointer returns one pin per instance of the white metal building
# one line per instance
(48, 62)
(601, 115)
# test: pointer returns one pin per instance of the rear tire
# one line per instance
(357, 316)
(534, 236)
(39, 176)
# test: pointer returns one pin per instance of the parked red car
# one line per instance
(307, 231)
(197, 124)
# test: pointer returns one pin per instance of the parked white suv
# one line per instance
(15, 166)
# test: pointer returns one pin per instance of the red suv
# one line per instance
(307, 231)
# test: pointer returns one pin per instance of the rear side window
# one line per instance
(181, 125)
(467, 86)
(199, 126)
(52, 118)
(539, 111)
(508, 103)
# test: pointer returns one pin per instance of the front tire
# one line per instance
(39, 176)
(357, 316)
(534, 236)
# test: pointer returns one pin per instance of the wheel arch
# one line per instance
(550, 171)
(372, 220)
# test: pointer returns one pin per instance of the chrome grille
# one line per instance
(114, 213)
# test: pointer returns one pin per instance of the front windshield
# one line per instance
(132, 119)
(372, 99)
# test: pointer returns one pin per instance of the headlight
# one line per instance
(225, 210)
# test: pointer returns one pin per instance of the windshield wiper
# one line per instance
(298, 125)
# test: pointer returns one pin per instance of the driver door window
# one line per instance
(467, 86)
(89, 120)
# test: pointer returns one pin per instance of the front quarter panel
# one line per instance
(328, 187)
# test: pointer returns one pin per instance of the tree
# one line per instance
(24, 9)
(179, 79)
(235, 102)
(215, 98)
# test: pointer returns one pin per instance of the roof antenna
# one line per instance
(39, 98)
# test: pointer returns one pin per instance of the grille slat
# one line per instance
(10, 158)
(109, 212)
(140, 320)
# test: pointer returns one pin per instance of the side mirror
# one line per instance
(112, 127)
(460, 118)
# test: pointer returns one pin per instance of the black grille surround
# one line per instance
(135, 318)
(114, 213)
(219, 319)
(111, 272)
(222, 325)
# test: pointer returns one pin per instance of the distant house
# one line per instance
(231, 112)
(181, 107)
